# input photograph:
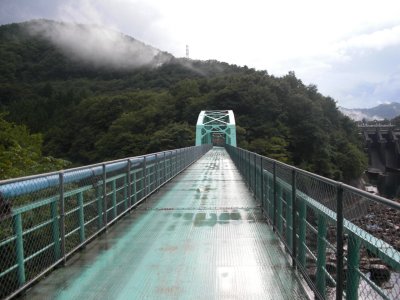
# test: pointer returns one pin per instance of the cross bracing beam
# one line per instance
(216, 123)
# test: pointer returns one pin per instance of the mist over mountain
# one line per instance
(96, 45)
(383, 111)
(49, 50)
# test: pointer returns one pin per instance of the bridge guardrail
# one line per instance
(46, 218)
(343, 240)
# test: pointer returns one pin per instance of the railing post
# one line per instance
(271, 207)
(129, 184)
(81, 218)
(184, 158)
(241, 162)
(293, 219)
(62, 216)
(321, 256)
(104, 197)
(99, 207)
(255, 175)
(172, 164)
(134, 188)
(176, 163)
(248, 170)
(244, 166)
(126, 187)
(56, 229)
(152, 177)
(289, 223)
(165, 168)
(114, 198)
(179, 161)
(274, 195)
(157, 175)
(260, 175)
(339, 242)
(144, 176)
(19, 245)
(262, 183)
(279, 199)
(302, 233)
(353, 262)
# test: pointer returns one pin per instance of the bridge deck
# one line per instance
(200, 237)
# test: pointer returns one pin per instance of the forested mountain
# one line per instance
(91, 109)
(384, 111)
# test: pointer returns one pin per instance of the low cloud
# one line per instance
(357, 115)
(359, 71)
(377, 40)
(98, 46)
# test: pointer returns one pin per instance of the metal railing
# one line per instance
(46, 218)
(344, 241)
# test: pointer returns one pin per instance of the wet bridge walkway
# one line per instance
(201, 236)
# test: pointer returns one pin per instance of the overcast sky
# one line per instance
(350, 49)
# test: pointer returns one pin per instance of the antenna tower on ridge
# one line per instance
(187, 51)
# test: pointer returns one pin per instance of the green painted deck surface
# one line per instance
(200, 237)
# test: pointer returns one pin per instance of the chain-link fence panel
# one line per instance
(283, 201)
(316, 201)
(29, 229)
(372, 247)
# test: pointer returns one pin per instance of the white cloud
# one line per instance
(376, 40)
(83, 11)
(358, 71)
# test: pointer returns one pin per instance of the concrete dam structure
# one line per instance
(382, 145)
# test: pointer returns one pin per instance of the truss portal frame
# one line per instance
(216, 123)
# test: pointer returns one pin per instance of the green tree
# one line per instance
(175, 135)
(351, 162)
(21, 154)
(274, 147)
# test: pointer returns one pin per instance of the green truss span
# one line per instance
(216, 127)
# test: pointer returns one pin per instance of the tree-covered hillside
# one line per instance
(89, 111)
(21, 152)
